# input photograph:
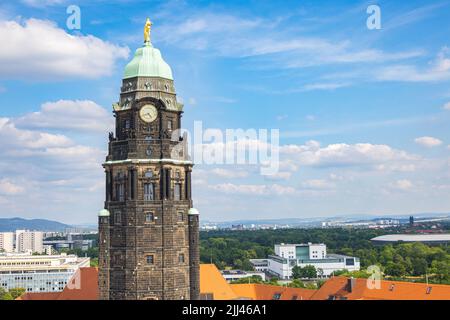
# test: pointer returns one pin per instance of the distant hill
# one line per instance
(13, 224)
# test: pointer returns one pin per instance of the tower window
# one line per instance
(150, 259)
(177, 191)
(127, 124)
(169, 125)
(120, 191)
(118, 218)
(180, 216)
(149, 191)
(149, 217)
(181, 258)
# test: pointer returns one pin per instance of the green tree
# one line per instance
(307, 272)
(441, 269)
(5, 295)
(395, 269)
(297, 272)
(16, 292)
(296, 283)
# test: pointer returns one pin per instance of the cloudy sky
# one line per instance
(363, 114)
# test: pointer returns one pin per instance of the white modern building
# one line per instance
(29, 241)
(38, 273)
(233, 275)
(288, 256)
(7, 241)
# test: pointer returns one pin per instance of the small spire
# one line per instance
(147, 31)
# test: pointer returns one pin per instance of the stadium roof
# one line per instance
(413, 238)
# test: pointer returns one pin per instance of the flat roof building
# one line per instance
(38, 273)
(7, 241)
(233, 275)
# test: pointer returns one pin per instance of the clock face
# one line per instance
(148, 113)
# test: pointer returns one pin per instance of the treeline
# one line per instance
(410, 261)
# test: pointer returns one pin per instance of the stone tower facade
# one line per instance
(148, 231)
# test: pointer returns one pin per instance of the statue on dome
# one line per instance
(147, 30)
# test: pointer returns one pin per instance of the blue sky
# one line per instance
(363, 114)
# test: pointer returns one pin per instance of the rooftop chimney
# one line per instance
(351, 283)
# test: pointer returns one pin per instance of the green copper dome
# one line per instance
(148, 62)
(103, 213)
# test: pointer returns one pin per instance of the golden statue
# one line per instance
(147, 30)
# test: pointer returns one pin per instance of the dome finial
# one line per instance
(147, 30)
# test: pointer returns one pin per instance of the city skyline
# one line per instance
(362, 114)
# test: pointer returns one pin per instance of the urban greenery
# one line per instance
(307, 272)
(12, 294)
(406, 261)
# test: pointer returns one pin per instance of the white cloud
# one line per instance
(403, 184)
(9, 188)
(16, 140)
(318, 184)
(447, 106)
(311, 154)
(279, 176)
(438, 71)
(38, 49)
(230, 35)
(43, 3)
(45, 151)
(324, 86)
(412, 16)
(253, 189)
(227, 173)
(428, 142)
(57, 174)
(79, 115)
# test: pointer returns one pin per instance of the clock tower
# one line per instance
(148, 231)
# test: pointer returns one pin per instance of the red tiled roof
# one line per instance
(271, 292)
(338, 288)
(39, 296)
(82, 286)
